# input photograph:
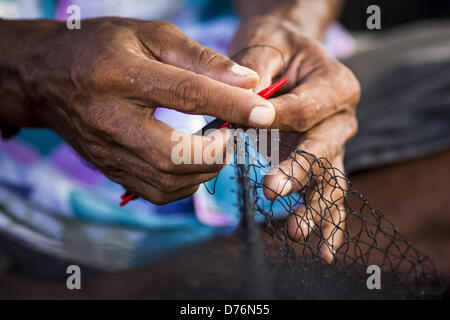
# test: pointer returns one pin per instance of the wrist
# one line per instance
(24, 63)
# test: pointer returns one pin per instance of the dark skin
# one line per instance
(321, 92)
(98, 88)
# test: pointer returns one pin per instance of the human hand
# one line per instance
(98, 87)
(316, 111)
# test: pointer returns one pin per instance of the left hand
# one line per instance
(316, 111)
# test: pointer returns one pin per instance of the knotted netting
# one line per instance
(328, 240)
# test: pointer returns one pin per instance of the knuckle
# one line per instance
(209, 56)
(115, 174)
(165, 26)
(96, 151)
(106, 26)
(155, 29)
(233, 104)
(188, 192)
(168, 183)
(353, 126)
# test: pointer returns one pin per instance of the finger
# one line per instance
(149, 192)
(115, 159)
(167, 182)
(325, 92)
(156, 84)
(325, 141)
(265, 60)
(323, 214)
(171, 46)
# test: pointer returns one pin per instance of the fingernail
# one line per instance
(261, 116)
(243, 71)
(284, 187)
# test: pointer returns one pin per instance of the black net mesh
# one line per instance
(331, 236)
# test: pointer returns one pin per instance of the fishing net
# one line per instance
(330, 237)
(295, 258)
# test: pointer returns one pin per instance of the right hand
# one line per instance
(316, 114)
(98, 87)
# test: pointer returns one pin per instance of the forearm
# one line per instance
(23, 54)
(311, 16)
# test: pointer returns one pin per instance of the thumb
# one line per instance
(175, 48)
